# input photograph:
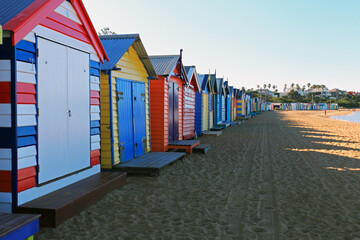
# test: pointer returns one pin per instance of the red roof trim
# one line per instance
(34, 14)
(86, 21)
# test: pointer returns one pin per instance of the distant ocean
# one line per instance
(353, 117)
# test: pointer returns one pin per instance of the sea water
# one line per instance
(353, 117)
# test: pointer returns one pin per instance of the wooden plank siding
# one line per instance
(132, 68)
(205, 110)
(26, 64)
(189, 113)
(106, 158)
(159, 105)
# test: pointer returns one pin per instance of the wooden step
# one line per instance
(58, 206)
(225, 124)
(217, 128)
(202, 148)
(212, 133)
(187, 145)
(234, 123)
(18, 226)
(149, 163)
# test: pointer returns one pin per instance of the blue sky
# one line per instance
(249, 42)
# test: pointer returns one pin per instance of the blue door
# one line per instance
(219, 112)
(228, 108)
(125, 118)
(139, 118)
(173, 112)
(131, 118)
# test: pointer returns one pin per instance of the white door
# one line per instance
(63, 88)
(79, 105)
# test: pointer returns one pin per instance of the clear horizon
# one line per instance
(248, 42)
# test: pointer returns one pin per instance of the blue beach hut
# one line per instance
(228, 97)
(203, 105)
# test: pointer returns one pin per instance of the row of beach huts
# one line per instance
(74, 106)
(304, 106)
(77, 110)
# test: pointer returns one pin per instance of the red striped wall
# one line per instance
(95, 97)
(26, 179)
(95, 157)
(66, 26)
(189, 113)
(5, 92)
(26, 93)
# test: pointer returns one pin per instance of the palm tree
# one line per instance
(292, 85)
(273, 86)
(285, 87)
(297, 87)
(258, 86)
(303, 88)
(308, 85)
(269, 85)
(264, 86)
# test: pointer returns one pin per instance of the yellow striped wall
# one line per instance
(205, 110)
(106, 158)
(132, 69)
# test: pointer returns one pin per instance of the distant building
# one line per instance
(336, 93)
(287, 90)
(266, 92)
(319, 92)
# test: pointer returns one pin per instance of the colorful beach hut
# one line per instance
(190, 92)
(219, 102)
(212, 102)
(166, 101)
(125, 111)
(203, 102)
(49, 101)
(233, 103)
(228, 97)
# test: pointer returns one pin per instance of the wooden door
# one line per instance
(173, 112)
(139, 115)
(125, 119)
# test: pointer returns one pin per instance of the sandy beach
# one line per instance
(280, 175)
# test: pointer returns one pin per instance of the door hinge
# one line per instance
(38, 112)
(37, 52)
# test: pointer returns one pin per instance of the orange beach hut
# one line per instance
(166, 101)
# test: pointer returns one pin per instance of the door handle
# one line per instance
(69, 112)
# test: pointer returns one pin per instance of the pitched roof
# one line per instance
(227, 87)
(213, 82)
(204, 80)
(220, 84)
(22, 16)
(191, 72)
(117, 45)
(164, 64)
